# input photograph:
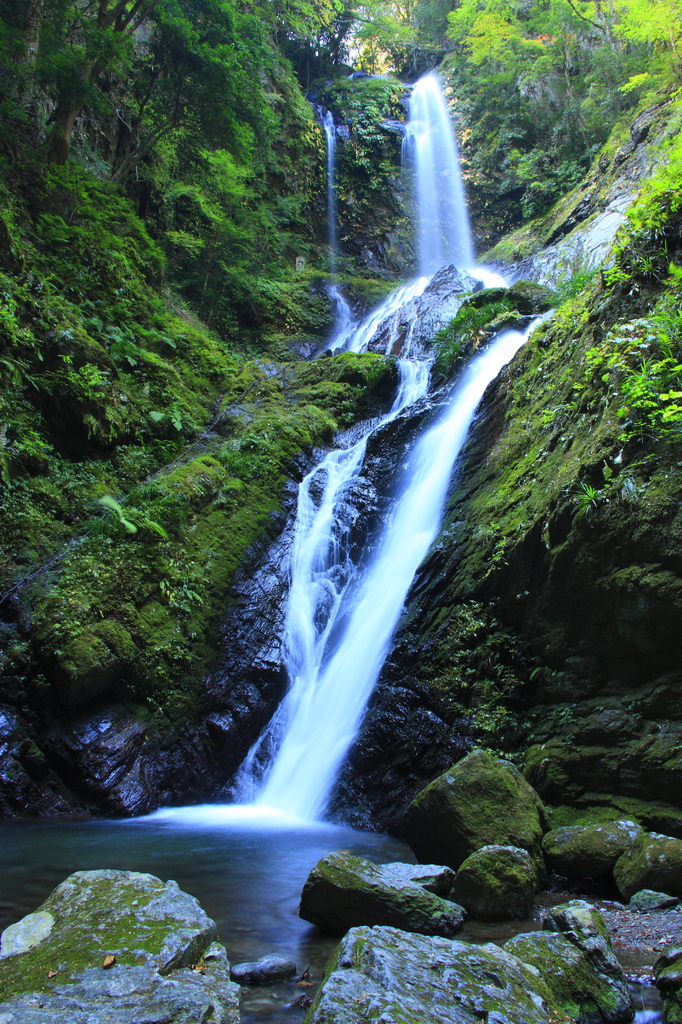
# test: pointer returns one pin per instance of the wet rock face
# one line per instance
(26, 780)
(343, 891)
(413, 328)
(387, 974)
(481, 801)
(576, 960)
(118, 944)
(407, 737)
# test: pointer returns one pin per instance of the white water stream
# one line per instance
(340, 617)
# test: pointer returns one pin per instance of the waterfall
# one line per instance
(430, 148)
(343, 320)
(319, 718)
(340, 616)
(330, 132)
(322, 574)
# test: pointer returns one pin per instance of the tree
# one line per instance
(78, 42)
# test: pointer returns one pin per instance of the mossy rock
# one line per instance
(654, 862)
(589, 851)
(497, 883)
(524, 296)
(390, 975)
(482, 800)
(668, 977)
(343, 891)
(578, 965)
(103, 943)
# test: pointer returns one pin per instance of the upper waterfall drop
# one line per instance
(330, 134)
(443, 231)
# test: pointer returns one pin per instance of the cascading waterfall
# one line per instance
(319, 718)
(340, 616)
(430, 148)
(322, 573)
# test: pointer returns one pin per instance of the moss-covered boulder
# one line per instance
(497, 883)
(389, 975)
(524, 296)
(575, 958)
(647, 900)
(668, 975)
(343, 891)
(120, 946)
(589, 851)
(482, 800)
(654, 862)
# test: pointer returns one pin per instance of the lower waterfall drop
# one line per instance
(332, 674)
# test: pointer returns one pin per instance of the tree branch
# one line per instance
(583, 17)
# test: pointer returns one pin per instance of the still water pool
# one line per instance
(246, 869)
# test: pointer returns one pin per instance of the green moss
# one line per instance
(213, 503)
(75, 945)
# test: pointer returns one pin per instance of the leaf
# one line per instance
(149, 524)
(111, 503)
(156, 416)
(109, 960)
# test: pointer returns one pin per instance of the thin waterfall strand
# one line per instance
(343, 320)
(330, 133)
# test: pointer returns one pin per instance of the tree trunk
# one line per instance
(60, 137)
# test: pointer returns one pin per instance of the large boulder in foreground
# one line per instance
(481, 801)
(668, 976)
(589, 851)
(383, 974)
(497, 883)
(119, 946)
(652, 861)
(575, 958)
(343, 891)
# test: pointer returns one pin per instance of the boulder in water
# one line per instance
(343, 891)
(589, 851)
(122, 946)
(652, 861)
(482, 800)
(264, 971)
(576, 960)
(497, 883)
(525, 296)
(383, 974)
